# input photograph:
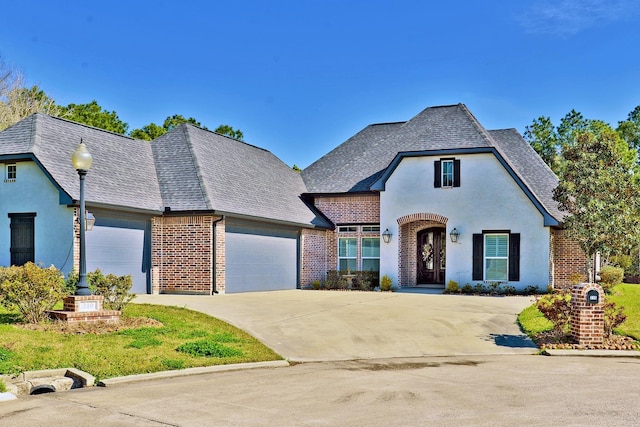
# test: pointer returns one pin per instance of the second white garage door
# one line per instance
(260, 260)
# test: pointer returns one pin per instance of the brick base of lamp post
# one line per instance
(85, 309)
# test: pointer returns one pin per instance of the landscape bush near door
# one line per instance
(31, 290)
(114, 289)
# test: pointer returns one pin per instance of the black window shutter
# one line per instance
(456, 173)
(437, 175)
(478, 257)
(514, 257)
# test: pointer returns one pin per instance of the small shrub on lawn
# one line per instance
(114, 289)
(610, 276)
(316, 284)
(31, 289)
(386, 283)
(467, 289)
(452, 287)
(557, 308)
(494, 288)
(208, 349)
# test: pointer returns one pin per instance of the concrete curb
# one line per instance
(593, 353)
(191, 371)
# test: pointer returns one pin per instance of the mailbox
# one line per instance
(593, 296)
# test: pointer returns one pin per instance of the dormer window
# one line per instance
(11, 173)
(446, 173)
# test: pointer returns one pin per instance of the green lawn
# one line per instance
(131, 351)
(533, 322)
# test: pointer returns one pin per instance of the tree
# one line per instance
(152, 130)
(229, 131)
(93, 114)
(630, 129)
(543, 138)
(20, 102)
(600, 193)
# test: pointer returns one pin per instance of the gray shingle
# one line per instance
(123, 172)
(357, 163)
(200, 168)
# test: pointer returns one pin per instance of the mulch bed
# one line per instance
(92, 328)
(547, 340)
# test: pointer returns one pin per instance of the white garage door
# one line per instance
(259, 261)
(117, 247)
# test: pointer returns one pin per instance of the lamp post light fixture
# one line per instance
(386, 236)
(454, 235)
(81, 160)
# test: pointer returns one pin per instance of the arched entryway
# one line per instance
(416, 231)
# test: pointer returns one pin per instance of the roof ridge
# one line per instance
(481, 129)
(196, 164)
(224, 136)
(62, 119)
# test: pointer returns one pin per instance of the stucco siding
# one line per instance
(487, 199)
(33, 192)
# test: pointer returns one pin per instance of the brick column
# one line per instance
(587, 319)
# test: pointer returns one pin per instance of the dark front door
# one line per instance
(22, 239)
(431, 256)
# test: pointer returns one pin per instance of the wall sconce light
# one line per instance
(386, 236)
(454, 235)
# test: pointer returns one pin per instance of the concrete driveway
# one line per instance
(304, 325)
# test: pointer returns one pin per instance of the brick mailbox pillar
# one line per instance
(587, 314)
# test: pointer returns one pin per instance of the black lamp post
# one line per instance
(81, 161)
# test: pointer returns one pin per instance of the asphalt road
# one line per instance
(497, 390)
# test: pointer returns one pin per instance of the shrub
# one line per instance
(479, 288)
(386, 283)
(613, 317)
(31, 289)
(114, 289)
(494, 287)
(467, 289)
(510, 290)
(363, 280)
(335, 280)
(576, 278)
(557, 308)
(531, 290)
(452, 287)
(316, 284)
(610, 276)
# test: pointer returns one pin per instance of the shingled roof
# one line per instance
(358, 163)
(123, 173)
(202, 170)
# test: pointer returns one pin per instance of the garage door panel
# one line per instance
(260, 263)
(119, 251)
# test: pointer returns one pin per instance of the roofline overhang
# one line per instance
(253, 218)
(341, 194)
(118, 208)
(380, 184)
(64, 197)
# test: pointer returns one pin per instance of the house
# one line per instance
(197, 212)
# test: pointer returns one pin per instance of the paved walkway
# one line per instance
(327, 325)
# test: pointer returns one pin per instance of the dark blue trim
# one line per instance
(65, 198)
(380, 184)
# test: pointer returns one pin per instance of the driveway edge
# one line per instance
(593, 353)
(191, 371)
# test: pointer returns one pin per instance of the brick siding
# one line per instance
(567, 259)
(182, 254)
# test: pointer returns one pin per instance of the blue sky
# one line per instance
(300, 77)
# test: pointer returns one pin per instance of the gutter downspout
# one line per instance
(214, 291)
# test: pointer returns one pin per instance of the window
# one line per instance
(370, 229)
(347, 254)
(11, 173)
(496, 256)
(371, 254)
(446, 173)
(349, 229)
